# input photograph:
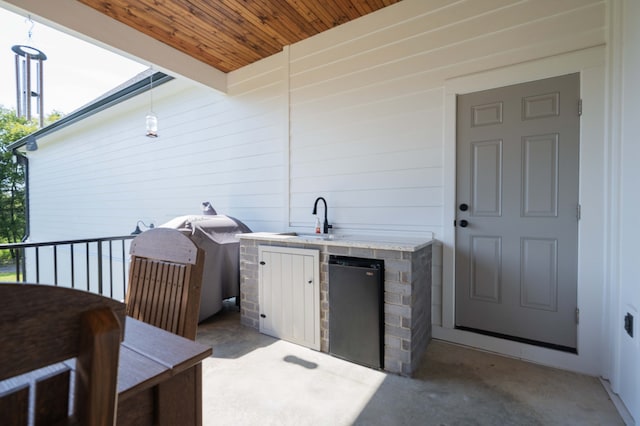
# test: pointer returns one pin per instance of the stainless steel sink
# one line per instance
(310, 236)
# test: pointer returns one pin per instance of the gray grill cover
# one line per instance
(216, 235)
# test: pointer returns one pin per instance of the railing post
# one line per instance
(37, 264)
(73, 274)
(17, 252)
(99, 243)
(124, 274)
(110, 269)
(55, 265)
(87, 257)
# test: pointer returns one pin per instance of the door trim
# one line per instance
(591, 64)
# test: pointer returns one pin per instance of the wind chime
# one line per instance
(28, 86)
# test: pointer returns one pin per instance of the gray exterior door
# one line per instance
(517, 211)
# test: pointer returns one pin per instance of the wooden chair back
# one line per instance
(165, 281)
(42, 328)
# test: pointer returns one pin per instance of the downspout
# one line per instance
(23, 161)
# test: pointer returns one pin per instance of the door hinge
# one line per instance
(580, 107)
(577, 315)
(579, 211)
(454, 223)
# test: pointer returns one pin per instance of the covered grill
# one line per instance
(216, 235)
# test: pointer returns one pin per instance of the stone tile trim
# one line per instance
(407, 297)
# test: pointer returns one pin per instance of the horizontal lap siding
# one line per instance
(354, 114)
(366, 101)
(106, 174)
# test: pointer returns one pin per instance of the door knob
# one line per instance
(464, 207)
(464, 223)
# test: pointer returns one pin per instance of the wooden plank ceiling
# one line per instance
(229, 34)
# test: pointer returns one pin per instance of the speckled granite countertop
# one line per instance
(362, 241)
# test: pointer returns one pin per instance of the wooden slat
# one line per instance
(52, 398)
(229, 34)
(144, 289)
(14, 406)
(195, 291)
(174, 307)
(172, 310)
(134, 287)
(184, 290)
(172, 291)
(134, 292)
(155, 288)
(164, 302)
(163, 313)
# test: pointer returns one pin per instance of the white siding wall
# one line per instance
(354, 114)
(366, 101)
(100, 176)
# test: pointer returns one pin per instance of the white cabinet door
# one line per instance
(290, 294)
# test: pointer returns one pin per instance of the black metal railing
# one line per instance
(99, 265)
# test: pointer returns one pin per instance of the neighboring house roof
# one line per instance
(133, 87)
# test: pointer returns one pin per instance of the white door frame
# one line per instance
(591, 343)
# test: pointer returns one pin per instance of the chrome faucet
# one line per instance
(325, 225)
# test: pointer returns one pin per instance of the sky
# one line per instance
(75, 72)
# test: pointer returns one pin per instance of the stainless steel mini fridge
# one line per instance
(356, 295)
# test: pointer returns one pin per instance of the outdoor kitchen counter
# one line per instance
(407, 286)
(394, 243)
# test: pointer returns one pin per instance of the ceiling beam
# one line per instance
(73, 17)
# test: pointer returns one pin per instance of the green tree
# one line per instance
(12, 188)
(12, 184)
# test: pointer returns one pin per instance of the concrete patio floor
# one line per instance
(254, 379)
